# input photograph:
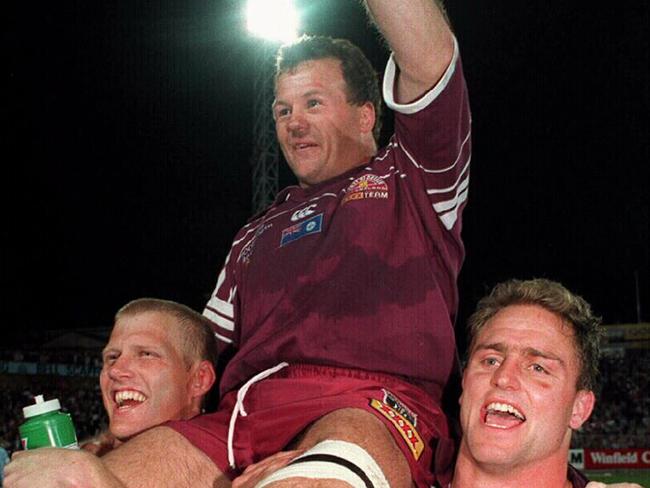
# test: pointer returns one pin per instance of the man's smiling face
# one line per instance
(520, 400)
(321, 134)
(145, 379)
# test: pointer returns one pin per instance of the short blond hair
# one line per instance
(197, 338)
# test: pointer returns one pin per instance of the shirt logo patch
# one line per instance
(392, 401)
(367, 186)
(302, 213)
(403, 426)
(304, 228)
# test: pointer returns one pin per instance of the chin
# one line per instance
(124, 433)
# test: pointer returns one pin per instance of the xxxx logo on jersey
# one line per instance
(403, 426)
(367, 186)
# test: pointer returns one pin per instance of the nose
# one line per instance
(121, 368)
(297, 122)
(506, 376)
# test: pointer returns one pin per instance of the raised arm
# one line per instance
(419, 36)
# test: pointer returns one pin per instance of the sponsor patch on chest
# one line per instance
(405, 428)
(307, 227)
(365, 187)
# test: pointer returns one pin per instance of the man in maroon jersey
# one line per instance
(342, 293)
(337, 304)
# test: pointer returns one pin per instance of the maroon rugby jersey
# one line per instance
(359, 271)
(577, 478)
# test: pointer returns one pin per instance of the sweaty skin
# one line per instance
(145, 380)
(520, 402)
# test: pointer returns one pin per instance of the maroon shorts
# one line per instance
(283, 405)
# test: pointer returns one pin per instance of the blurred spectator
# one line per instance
(4, 459)
(622, 415)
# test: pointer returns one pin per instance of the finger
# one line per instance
(17, 454)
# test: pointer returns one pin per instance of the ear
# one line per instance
(203, 378)
(462, 390)
(583, 405)
(367, 117)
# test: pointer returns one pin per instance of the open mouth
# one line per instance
(303, 146)
(502, 416)
(128, 398)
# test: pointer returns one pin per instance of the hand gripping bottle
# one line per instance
(46, 426)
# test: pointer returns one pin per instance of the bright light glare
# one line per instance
(275, 20)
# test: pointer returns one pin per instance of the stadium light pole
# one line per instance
(272, 22)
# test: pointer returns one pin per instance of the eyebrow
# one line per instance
(315, 91)
(307, 94)
(495, 346)
(528, 351)
(531, 351)
(138, 347)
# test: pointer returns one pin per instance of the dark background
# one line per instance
(129, 136)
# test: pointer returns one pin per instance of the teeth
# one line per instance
(504, 407)
(122, 396)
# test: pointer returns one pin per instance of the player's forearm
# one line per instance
(163, 458)
(420, 38)
(103, 478)
(58, 468)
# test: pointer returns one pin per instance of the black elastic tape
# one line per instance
(329, 458)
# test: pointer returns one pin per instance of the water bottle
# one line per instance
(46, 426)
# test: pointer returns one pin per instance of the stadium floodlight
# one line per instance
(274, 20)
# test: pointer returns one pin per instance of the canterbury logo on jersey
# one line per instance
(302, 213)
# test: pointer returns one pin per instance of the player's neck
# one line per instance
(546, 473)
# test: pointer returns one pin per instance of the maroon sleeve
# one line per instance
(434, 132)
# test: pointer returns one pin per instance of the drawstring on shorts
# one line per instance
(239, 407)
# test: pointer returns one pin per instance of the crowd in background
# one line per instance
(622, 414)
(52, 356)
(621, 417)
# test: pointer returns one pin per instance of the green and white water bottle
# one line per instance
(46, 426)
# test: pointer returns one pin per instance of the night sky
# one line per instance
(127, 153)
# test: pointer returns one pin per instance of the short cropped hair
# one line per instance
(360, 77)
(198, 340)
(555, 298)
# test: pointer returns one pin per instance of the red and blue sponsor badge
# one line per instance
(307, 227)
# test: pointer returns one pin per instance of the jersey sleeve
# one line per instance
(221, 309)
(434, 133)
